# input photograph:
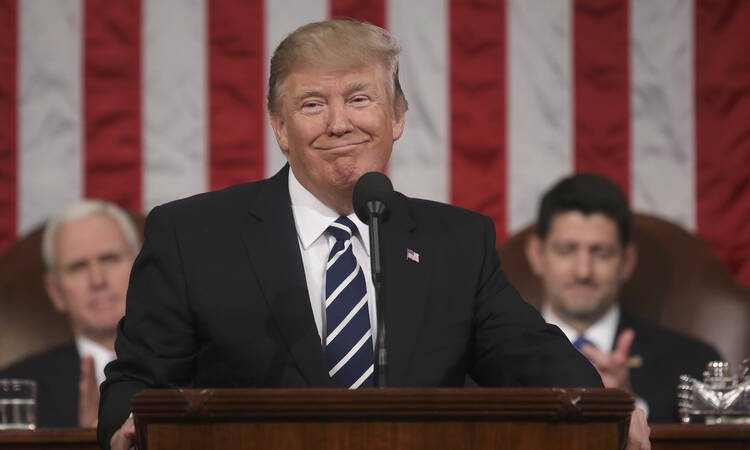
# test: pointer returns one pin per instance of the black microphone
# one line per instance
(372, 193)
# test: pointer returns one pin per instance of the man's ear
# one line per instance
(534, 254)
(54, 294)
(630, 260)
(279, 130)
(399, 121)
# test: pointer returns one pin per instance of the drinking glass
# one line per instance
(17, 404)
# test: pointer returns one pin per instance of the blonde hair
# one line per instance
(336, 44)
(81, 210)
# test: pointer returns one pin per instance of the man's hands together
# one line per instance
(88, 395)
(88, 407)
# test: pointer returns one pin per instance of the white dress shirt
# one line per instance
(601, 334)
(102, 356)
(311, 218)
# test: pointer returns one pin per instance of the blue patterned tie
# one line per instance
(348, 335)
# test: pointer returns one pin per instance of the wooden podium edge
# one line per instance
(154, 405)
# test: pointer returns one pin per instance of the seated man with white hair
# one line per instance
(88, 250)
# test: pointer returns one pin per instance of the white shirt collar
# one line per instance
(102, 356)
(312, 217)
(602, 333)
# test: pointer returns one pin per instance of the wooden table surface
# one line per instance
(49, 439)
(694, 437)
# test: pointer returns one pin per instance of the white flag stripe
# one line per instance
(338, 254)
(174, 100)
(662, 110)
(50, 130)
(341, 286)
(346, 320)
(351, 353)
(281, 18)
(540, 104)
(420, 164)
(364, 376)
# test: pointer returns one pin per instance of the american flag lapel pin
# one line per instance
(411, 255)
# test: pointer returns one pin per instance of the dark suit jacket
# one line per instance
(218, 298)
(56, 372)
(665, 356)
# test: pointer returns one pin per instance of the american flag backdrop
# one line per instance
(145, 101)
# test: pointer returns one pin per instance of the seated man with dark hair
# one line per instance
(88, 250)
(583, 253)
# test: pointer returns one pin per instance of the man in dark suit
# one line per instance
(583, 253)
(268, 283)
(88, 249)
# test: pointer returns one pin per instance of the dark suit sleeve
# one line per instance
(513, 346)
(148, 355)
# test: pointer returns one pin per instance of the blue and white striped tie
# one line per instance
(348, 334)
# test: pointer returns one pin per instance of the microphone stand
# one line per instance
(376, 210)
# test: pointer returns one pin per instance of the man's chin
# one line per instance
(585, 313)
(347, 170)
(101, 331)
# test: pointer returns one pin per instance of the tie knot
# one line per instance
(342, 229)
(581, 341)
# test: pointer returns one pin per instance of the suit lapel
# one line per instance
(405, 285)
(64, 383)
(271, 241)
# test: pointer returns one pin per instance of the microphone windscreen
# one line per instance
(371, 188)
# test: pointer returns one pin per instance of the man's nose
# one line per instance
(97, 275)
(584, 265)
(338, 119)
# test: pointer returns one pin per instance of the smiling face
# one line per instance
(582, 265)
(334, 126)
(89, 278)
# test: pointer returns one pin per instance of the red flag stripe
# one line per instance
(372, 11)
(602, 96)
(112, 101)
(722, 105)
(477, 98)
(8, 122)
(235, 92)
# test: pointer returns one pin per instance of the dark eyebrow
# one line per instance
(361, 86)
(76, 264)
(110, 255)
(306, 94)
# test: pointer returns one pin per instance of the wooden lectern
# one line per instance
(388, 419)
